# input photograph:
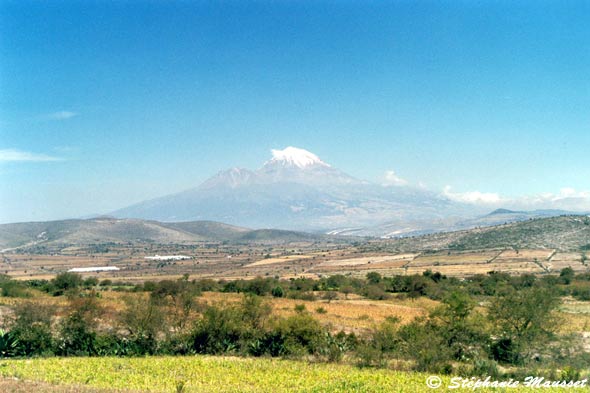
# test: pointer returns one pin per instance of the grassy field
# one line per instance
(209, 374)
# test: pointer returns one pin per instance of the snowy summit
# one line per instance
(293, 156)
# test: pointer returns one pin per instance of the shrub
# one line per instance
(330, 295)
(258, 286)
(309, 296)
(143, 319)
(373, 278)
(13, 288)
(179, 297)
(375, 292)
(278, 291)
(67, 281)
(421, 342)
(90, 282)
(32, 327)
(386, 338)
(523, 320)
(369, 356)
(231, 328)
(567, 275)
(300, 334)
(218, 331)
(77, 334)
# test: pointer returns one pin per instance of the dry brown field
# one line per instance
(218, 260)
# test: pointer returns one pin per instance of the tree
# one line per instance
(179, 295)
(523, 321)
(458, 324)
(374, 277)
(330, 295)
(278, 291)
(567, 275)
(78, 329)
(66, 281)
(32, 328)
(143, 319)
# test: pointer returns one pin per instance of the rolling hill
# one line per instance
(112, 230)
(567, 233)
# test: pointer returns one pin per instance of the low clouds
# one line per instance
(14, 155)
(566, 199)
(62, 115)
(390, 178)
(473, 197)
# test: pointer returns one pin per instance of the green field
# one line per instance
(211, 374)
(207, 374)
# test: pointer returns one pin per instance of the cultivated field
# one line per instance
(305, 260)
(210, 374)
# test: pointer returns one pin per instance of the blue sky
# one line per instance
(103, 104)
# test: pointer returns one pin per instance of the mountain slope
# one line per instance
(296, 190)
(111, 230)
(569, 233)
(208, 229)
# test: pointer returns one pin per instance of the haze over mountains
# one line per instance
(296, 190)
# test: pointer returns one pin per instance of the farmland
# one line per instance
(211, 374)
(310, 260)
(300, 305)
(542, 246)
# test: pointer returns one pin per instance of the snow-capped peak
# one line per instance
(294, 156)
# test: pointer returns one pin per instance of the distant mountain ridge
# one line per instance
(296, 190)
(113, 230)
(567, 232)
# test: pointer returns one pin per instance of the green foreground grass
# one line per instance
(212, 374)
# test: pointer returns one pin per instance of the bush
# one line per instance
(524, 322)
(219, 331)
(76, 338)
(32, 327)
(77, 334)
(375, 292)
(90, 282)
(369, 356)
(421, 341)
(300, 334)
(12, 288)
(64, 282)
(566, 275)
(179, 297)
(232, 328)
(278, 291)
(143, 319)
